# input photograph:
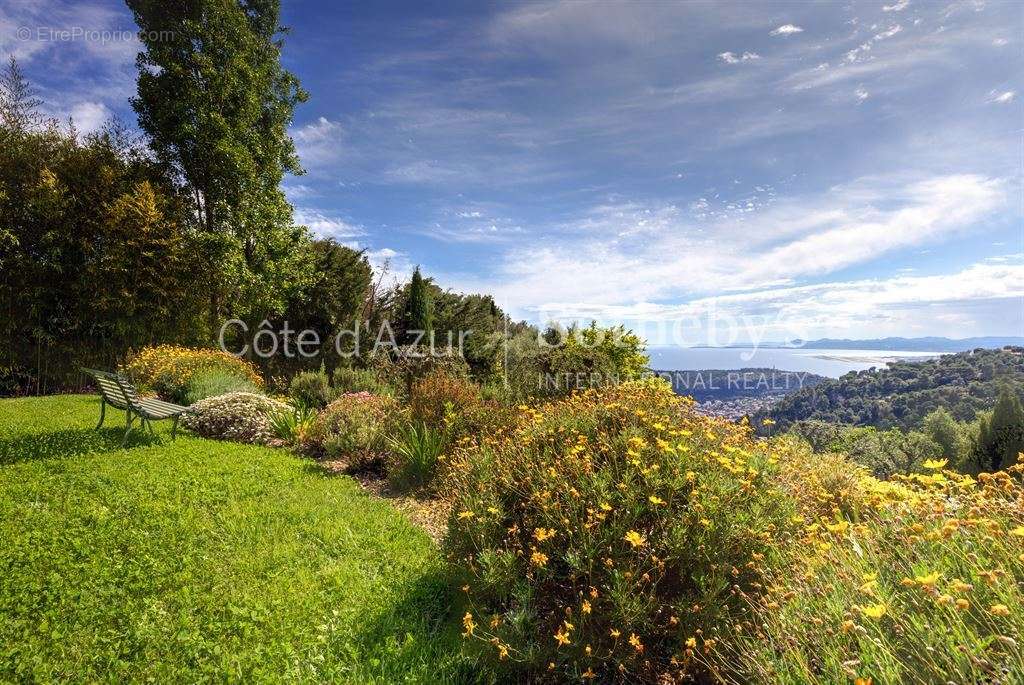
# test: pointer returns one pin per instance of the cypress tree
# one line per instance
(419, 309)
(1001, 437)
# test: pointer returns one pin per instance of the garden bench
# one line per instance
(116, 391)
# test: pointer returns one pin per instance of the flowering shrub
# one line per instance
(239, 416)
(352, 428)
(613, 534)
(923, 585)
(169, 369)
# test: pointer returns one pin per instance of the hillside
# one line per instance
(902, 394)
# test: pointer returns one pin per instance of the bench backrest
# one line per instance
(116, 389)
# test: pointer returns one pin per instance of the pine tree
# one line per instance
(1001, 437)
(419, 309)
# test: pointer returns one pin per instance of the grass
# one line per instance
(203, 560)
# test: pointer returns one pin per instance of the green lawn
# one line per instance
(203, 560)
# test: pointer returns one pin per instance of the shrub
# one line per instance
(349, 380)
(168, 369)
(310, 388)
(238, 416)
(215, 382)
(923, 586)
(609, 530)
(352, 428)
(438, 396)
(416, 449)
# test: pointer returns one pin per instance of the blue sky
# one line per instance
(775, 170)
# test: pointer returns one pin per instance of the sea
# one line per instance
(831, 363)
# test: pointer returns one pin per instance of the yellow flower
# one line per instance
(999, 610)
(634, 538)
(588, 674)
(634, 640)
(691, 642)
(542, 534)
(928, 580)
(963, 604)
(468, 624)
(655, 500)
(614, 633)
(466, 515)
(935, 464)
(960, 586)
(862, 681)
(874, 611)
(562, 637)
(585, 607)
(539, 559)
(839, 528)
(1018, 532)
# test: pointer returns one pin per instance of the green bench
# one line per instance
(119, 393)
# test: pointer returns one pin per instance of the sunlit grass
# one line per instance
(196, 560)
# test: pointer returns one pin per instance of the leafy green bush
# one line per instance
(238, 416)
(415, 450)
(311, 388)
(349, 380)
(216, 382)
(169, 369)
(352, 428)
(609, 530)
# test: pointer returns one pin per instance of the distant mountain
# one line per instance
(928, 344)
(903, 393)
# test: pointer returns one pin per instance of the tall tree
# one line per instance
(1001, 436)
(216, 103)
(419, 308)
(19, 106)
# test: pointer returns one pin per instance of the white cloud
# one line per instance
(596, 258)
(1000, 42)
(861, 94)
(90, 117)
(975, 298)
(899, 6)
(732, 58)
(326, 226)
(319, 142)
(786, 30)
(1003, 98)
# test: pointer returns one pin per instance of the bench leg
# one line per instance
(127, 426)
(103, 412)
(174, 427)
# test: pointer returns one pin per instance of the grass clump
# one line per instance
(215, 382)
(416, 449)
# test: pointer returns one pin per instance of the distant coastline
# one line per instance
(925, 344)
